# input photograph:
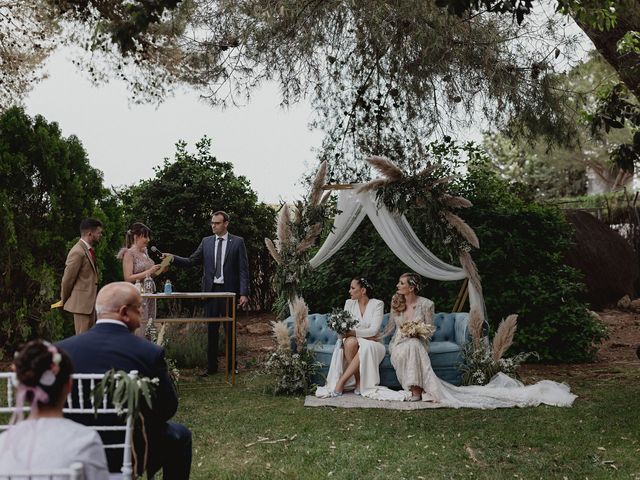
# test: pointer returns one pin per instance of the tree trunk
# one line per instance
(628, 64)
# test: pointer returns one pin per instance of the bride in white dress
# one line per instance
(410, 359)
(356, 358)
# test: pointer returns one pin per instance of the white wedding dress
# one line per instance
(411, 361)
(371, 353)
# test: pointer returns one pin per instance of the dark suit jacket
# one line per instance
(107, 346)
(235, 267)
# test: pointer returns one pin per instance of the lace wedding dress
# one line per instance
(411, 361)
(371, 353)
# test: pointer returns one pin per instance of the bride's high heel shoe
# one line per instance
(334, 394)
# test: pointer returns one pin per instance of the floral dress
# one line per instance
(141, 262)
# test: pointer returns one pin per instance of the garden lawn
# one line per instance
(599, 437)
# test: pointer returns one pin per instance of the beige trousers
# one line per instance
(83, 322)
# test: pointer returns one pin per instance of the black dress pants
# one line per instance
(217, 307)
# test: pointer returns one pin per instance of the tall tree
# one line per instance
(177, 205)
(46, 187)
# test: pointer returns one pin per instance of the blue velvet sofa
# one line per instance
(444, 351)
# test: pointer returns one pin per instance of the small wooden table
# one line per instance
(230, 316)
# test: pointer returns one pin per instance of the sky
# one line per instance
(270, 146)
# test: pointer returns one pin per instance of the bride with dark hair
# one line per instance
(47, 440)
(356, 357)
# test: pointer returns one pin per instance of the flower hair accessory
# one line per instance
(48, 378)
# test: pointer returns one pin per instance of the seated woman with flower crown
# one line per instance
(47, 440)
(357, 356)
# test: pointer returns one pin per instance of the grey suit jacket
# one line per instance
(235, 267)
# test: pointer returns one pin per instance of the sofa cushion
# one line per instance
(445, 327)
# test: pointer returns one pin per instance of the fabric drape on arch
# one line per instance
(395, 230)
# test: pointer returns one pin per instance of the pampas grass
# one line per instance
(273, 250)
(465, 230)
(475, 326)
(372, 185)
(455, 202)
(300, 312)
(308, 241)
(318, 183)
(281, 334)
(470, 266)
(386, 167)
(284, 230)
(504, 337)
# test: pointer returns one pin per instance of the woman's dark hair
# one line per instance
(137, 229)
(33, 360)
(364, 283)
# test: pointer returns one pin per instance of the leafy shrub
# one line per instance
(292, 371)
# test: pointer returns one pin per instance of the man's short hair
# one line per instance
(89, 224)
(224, 214)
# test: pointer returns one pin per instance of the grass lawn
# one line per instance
(599, 437)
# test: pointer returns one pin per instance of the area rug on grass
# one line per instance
(349, 400)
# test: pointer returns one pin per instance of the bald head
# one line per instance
(119, 301)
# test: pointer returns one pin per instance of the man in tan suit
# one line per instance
(80, 278)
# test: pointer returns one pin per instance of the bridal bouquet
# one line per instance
(415, 329)
(341, 321)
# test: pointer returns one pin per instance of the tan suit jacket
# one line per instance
(79, 281)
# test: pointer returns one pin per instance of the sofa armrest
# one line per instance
(462, 328)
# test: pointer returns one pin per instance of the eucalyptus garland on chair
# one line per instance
(299, 227)
(127, 392)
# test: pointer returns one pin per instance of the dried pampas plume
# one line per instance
(504, 336)
(372, 185)
(284, 231)
(318, 183)
(387, 168)
(273, 250)
(475, 326)
(427, 170)
(300, 312)
(308, 241)
(161, 334)
(470, 266)
(465, 230)
(455, 202)
(281, 334)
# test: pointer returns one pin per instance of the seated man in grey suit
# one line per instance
(226, 269)
(112, 344)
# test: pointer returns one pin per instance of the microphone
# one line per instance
(155, 250)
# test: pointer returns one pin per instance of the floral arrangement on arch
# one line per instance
(484, 358)
(299, 227)
(292, 367)
(429, 193)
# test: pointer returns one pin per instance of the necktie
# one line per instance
(219, 258)
(93, 255)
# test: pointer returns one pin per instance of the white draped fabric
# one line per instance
(395, 230)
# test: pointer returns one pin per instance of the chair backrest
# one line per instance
(81, 402)
(74, 472)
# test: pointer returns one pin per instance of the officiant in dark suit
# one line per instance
(226, 269)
